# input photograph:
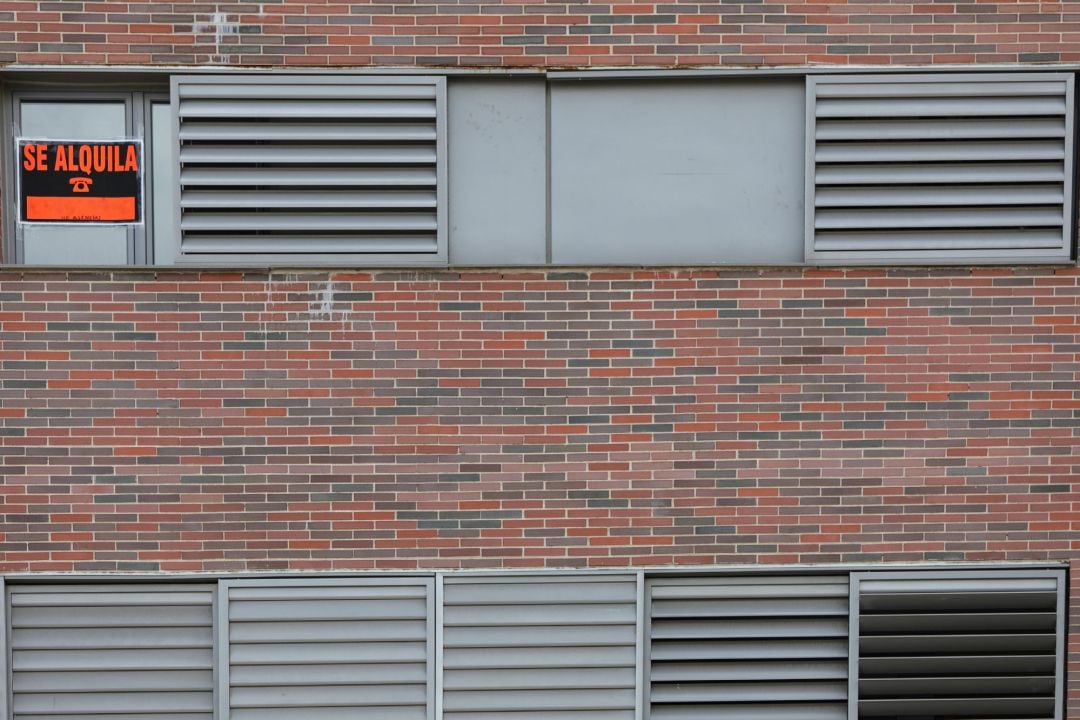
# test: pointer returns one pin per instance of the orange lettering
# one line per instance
(131, 162)
(61, 163)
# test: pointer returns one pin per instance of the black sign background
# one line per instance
(53, 195)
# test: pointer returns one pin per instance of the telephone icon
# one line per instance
(80, 184)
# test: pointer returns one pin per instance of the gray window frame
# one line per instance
(136, 107)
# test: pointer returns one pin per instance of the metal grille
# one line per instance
(936, 645)
(329, 650)
(296, 168)
(756, 647)
(555, 648)
(109, 653)
(939, 167)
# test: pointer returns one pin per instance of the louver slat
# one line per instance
(939, 167)
(748, 648)
(942, 646)
(93, 652)
(329, 649)
(313, 170)
(529, 648)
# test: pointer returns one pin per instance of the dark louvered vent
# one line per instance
(754, 648)
(939, 167)
(947, 646)
(290, 168)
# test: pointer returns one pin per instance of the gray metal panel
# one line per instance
(333, 648)
(770, 647)
(100, 651)
(677, 172)
(498, 171)
(313, 170)
(524, 648)
(959, 644)
(939, 167)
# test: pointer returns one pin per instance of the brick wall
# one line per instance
(535, 32)
(400, 420)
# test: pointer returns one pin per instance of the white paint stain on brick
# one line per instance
(219, 26)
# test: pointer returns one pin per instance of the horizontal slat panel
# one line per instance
(929, 196)
(385, 712)
(929, 87)
(939, 174)
(744, 670)
(328, 631)
(308, 155)
(988, 707)
(958, 622)
(538, 657)
(467, 593)
(808, 587)
(328, 590)
(955, 686)
(1020, 643)
(763, 692)
(935, 240)
(1047, 586)
(744, 628)
(374, 672)
(533, 615)
(305, 696)
(24, 597)
(308, 199)
(962, 218)
(939, 151)
(112, 637)
(573, 678)
(922, 664)
(551, 636)
(292, 109)
(751, 649)
(334, 652)
(283, 88)
(332, 178)
(131, 659)
(761, 711)
(89, 704)
(518, 700)
(315, 222)
(112, 680)
(973, 106)
(959, 128)
(971, 601)
(544, 715)
(769, 607)
(99, 616)
(314, 243)
(326, 610)
(314, 131)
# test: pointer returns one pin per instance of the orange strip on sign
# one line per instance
(85, 209)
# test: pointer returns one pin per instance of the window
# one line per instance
(94, 117)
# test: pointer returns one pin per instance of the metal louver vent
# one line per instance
(309, 169)
(97, 652)
(959, 645)
(330, 649)
(759, 648)
(939, 167)
(542, 648)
